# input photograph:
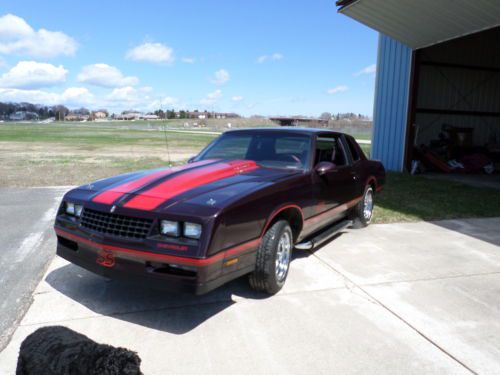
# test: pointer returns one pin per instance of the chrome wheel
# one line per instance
(368, 205)
(283, 255)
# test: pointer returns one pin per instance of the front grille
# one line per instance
(116, 225)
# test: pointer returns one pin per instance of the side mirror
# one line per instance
(325, 167)
(191, 159)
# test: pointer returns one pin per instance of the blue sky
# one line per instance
(256, 57)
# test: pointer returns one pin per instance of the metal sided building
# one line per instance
(438, 66)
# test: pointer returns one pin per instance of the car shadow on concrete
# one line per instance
(165, 311)
(484, 229)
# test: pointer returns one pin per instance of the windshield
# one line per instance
(272, 150)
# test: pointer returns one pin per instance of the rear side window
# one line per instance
(330, 149)
(354, 150)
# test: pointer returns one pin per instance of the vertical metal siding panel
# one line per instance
(401, 103)
(391, 102)
(376, 135)
(391, 93)
(396, 71)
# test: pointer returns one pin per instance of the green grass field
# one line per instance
(100, 135)
(75, 153)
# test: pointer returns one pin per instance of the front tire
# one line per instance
(362, 213)
(273, 259)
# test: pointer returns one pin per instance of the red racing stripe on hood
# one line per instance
(111, 195)
(176, 185)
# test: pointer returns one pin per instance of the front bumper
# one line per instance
(153, 270)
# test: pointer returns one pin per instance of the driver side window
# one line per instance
(330, 149)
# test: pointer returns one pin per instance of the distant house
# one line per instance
(198, 115)
(23, 116)
(150, 117)
(132, 115)
(206, 115)
(100, 115)
(76, 117)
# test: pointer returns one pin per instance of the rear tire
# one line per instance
(362, 213)
(273, 259)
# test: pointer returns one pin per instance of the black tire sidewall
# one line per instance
(264, 277)
(357, 214)
(285, 228)
(365, 221)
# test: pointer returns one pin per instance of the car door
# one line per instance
(333, 189)
(358, 170)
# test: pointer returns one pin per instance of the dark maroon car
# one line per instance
(240, 207)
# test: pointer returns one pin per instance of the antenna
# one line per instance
(166, 136)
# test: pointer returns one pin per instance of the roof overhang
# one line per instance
(421, 23)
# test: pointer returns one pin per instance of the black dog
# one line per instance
(59, 350)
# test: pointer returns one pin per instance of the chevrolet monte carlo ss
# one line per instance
(239, 207)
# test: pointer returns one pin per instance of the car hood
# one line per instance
(213, 183)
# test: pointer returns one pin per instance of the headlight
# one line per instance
(169, 228)
(74, 209)
(192, 230)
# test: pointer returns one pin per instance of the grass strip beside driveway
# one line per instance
(414, 198)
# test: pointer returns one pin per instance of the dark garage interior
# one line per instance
(454, 108)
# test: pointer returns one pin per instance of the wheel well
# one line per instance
(294, 217)
(373, 183)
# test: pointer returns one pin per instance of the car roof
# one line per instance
(286, 129)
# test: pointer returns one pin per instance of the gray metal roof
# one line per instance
(421, 23)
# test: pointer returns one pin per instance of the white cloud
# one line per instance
(129, 97)
(211, 97)
(151, 52)
(370, 69)
(105, 75)
(237, 98)
(188, 60)
(32, 74)
(166, 102)
(18, 37)
(220, 77)
(77, 96)
(274, 57)
(337, 89)
(72, 96)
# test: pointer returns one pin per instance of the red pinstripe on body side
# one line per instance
(164, 257)
(154, 197)
(111, 195)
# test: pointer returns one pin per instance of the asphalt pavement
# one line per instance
(26, 247)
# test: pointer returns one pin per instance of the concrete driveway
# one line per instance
(400, 298)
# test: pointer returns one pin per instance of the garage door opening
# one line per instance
(454, 112)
